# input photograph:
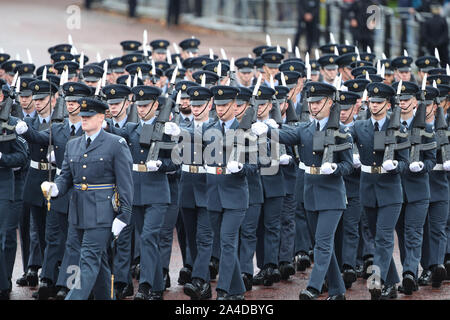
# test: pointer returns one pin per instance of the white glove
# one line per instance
(104, 124)
(271, 123)
(234, 166)
(389, 165)
(117, 227)
(0, 155)
(356, 161)
(21, 127)
(171, 129)
(153, 165)
(50, 187)
(416, 166)
(284, 159)
(51, 157)
(446, 164)
(328, 168)
(259, 128)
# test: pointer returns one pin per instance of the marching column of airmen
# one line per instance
(298, 163)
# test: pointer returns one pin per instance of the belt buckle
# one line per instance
(219, 170)
(193, 169)
(84, 187)
(43, 166)
(376, 169)
(314, 170)
(142, 168)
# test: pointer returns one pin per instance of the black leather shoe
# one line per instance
(302, 261)
(258, 279)
(156, 295)
(119, 289)
(447, 267)
(389, 292)
(408, 284)
(276, 275)
(62, 293)
(166, 278)
(199, 289)
(22, 281)
(128, 291)
(221, 294)
(185, 275)
(46, 289)
(337, 297)
(268, 273)
(375, 294)
(349, 276)
(143, 292)
(236, 297)
(311, 255)
(248, 281)
(308, 294)
(32, 278)
(286, 269)
(367, 262)
(438, 274)
(213, 268)
(4, 295)
(35, 295)
(425, 278)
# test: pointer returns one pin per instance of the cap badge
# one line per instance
(427, 61)
(344, 50)
(161, 44)
(376, 90)
(91, 71)
(141, 93)
(220, 92)
(62, 58)
(84, 104)
(134, 59)
(132, 45)
(119, 63)
(36, 87)
(331, 60)
(24, 84)
(403, 88)
(312, 89)
(71, 89)
(274, 58)
(112, 91)
(355, 85)
(183, 87)
(203, 62)
(353, 58)
(342, 97)
(405, 61)
(196, 93)
(245, 63)
(291, 68)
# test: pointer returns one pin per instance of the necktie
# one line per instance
(28, 116)
(116, 125)
(377, 126)
(405, 124)
(72, 132)
(88, 142)
(44, 121)
(318, 126)
(223, 127)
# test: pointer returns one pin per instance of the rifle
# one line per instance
(417, 132)
(325, 141)
(5, 112)
(232, 74)
(152, 134)
(292, 119)
(387, 140)
(60, 107)
(442, 134)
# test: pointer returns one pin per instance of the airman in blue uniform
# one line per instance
(98, 166)
(380, 188)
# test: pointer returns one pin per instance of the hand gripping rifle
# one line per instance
(152, 134)
(292, 119)
(5, 112)
(442, 134)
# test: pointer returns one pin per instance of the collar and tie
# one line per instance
(88, 142)
(377, 126)
(405, 124)
(44, 121)
(72, 132)
(27, 116)
(318, 126)
(223, 127)
(117, 125)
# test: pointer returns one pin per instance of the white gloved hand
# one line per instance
(51, 157)
(153, 165)
(259, 128)
(271, 123)
(389, 165)
(356, 161)
(284, 159)
(328, 168)
(172, 129)
(104, 124)
(446, 164)
(234, 166)
(21, 127)
(0, 155)
(416, 166)
(50, 187)
(117, 227)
